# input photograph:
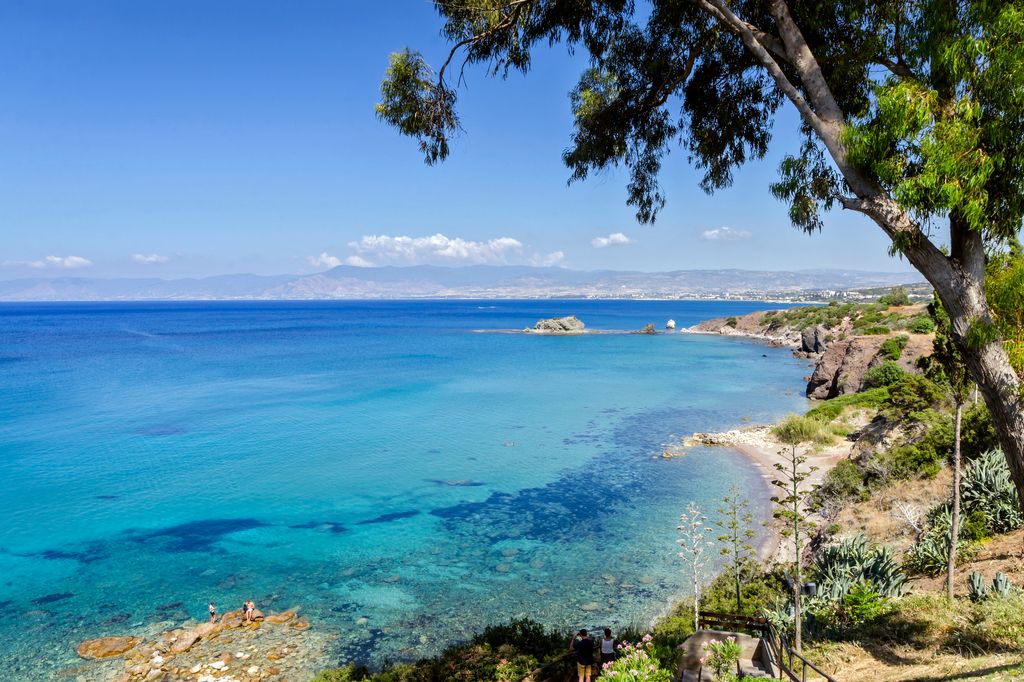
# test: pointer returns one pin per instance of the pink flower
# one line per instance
(648, 637)
(702, 659)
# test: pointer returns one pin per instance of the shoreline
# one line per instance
(762, 450)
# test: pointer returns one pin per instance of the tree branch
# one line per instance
(516, 7)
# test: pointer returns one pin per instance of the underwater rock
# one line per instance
(590, 606)
(107, 647)
(282, 617)
(50, 598)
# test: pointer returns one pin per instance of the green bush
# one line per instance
(897, 296)
(912, 460)
(347, 674)
(875, 330)
(991, 626)
(636, 663)
(885, 374)
(842, 484)
(831, 409)
(892, 348)
(731, 322)
(500, 652)
(922, 325)
(911, 396)
(863, 604)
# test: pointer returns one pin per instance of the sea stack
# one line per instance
(671, 324)
(558, 326)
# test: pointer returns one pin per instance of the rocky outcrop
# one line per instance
(107, 647)
(815, 339)
(649, 329)
(842, 367)
(278, 646)
(560, 326)
(671, 324)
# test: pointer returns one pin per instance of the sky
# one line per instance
(174, 138)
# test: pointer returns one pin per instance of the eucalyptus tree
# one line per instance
(912, 114)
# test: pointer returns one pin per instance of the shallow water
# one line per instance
(402, 478)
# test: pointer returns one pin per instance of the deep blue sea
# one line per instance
(384, 465)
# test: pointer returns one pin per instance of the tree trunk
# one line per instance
(739, 599)
(960, 283)
(954, 526)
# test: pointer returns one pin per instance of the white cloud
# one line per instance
(614, 239)
(151, 259)
(381, 249)
(358, 262)
(549, 260)
(64, 262)
(724, 234)
(324, 260)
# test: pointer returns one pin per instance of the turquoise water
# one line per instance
(402, 477)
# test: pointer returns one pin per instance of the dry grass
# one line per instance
(878, 518)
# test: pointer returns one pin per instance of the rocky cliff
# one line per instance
(846, 341)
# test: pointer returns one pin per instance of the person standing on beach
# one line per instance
(607, 647)
(583, 646)
(213, 612)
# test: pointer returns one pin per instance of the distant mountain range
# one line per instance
(483, 281)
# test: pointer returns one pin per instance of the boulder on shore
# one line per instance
(558, 325)
(107, 647)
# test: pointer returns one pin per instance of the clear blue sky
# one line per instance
(186, 137)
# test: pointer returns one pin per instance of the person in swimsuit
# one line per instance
(213, 612)
(250, 606)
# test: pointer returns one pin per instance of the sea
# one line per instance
(405, 472)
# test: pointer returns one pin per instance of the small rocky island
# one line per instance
(558, 326)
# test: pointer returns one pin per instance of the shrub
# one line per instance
(830, 409)
(922, 325)
(897, 296)
(911, 396)
(977, 433)
(515, 668)
(842, 483)
(992, 625)
(722, 657)
(347, 674)
(635, 664)
(731, 322)
(885, 374)
(863, 604)
(758, 589)
(875, 330)
(892, 348)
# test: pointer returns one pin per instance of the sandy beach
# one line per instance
(763, 450)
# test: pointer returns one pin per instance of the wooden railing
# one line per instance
(788, 661)
(710, 620)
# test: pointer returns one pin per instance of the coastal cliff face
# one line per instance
(833, 337)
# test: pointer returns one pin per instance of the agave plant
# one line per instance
(855, 560)
(987, 487)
